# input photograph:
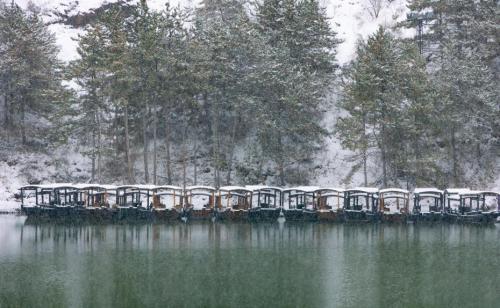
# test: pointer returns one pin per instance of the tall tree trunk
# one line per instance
(155, 163)
(92, 173)
(195, 160)
(7, 125)
(127, 148)
(456, 179)
(215, 143)
(167, 150)
(231, 151)
(145, 143)
(99, 147)
(281, 161)
(365, 152)
(384, 165)
(117, 135)
(23, 124)
(184, 157)
(6, 112)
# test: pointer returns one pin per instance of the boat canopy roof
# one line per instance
(262, 187)
(393, 190)
(234, 188)
(333, 189)
(427, 190)
(302, 188)
(369, 190)
(200, 187)
(168, 187)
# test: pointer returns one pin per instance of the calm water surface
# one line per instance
(237, 265)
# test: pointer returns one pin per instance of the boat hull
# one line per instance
(199, 214)
(330, 216)
(264, 214)
(394, 218)
(360, 216)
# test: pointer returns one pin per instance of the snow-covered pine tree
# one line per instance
(226, 52)
(89, 72)
(30, 72)
(464, 55)
(388, 110)
(300, 56)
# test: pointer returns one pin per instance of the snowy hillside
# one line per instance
(352, 20)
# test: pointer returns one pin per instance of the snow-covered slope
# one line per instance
(351, 19)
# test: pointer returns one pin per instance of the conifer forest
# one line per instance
(230, 92)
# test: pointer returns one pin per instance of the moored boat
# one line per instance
(200, 201)
(394, 204)
(233, 203)
(265, 203)
(469, 206)
(167, 203)
(298, 204)
(428, 205)
(361, 204)
(329, 204)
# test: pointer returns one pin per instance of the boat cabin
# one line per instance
(299, 198)
(68, 195)
(394, 200)
(167, 197)
(266, 197)
(427, 200)
(128, 196)
(362, 199)
(234, 198)
(459, 200)
(329, 199)
(200, 197)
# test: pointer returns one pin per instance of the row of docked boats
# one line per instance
(257, 203)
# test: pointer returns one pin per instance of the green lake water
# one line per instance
(248, 265)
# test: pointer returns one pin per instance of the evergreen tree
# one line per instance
(301, 51)
(388, 110)
(30, 73)
(89, 71)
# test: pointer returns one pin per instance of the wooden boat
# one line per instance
(265, 203)
(361, 204)
(329, 204)
(298, 204)
(200, 202)
(36, 200)
(428, 205)
(167, 203)
(233, 203)
(394, 204)
(463, 205)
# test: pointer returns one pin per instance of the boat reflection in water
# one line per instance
(245, 264)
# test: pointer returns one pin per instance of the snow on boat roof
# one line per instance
(261, 187)
(371, 190)
(457, 191)
(427, 190)
(55, 185)
(146, 186)
(335, 189)
(303, 188)
(394, 190)
(90, 185)
(171, 187)
(489, 192)
(232, 188)
(201, 187)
